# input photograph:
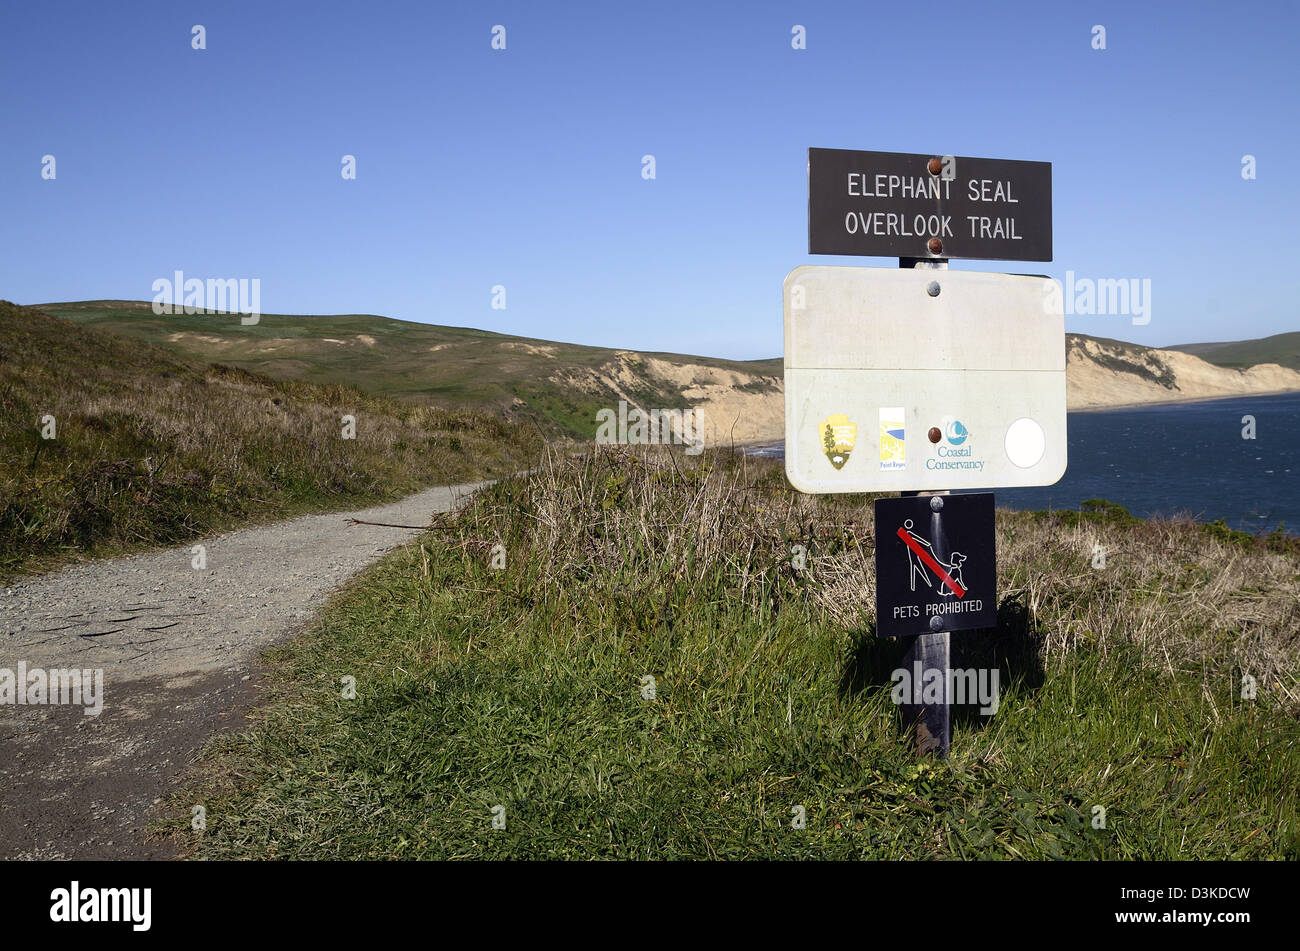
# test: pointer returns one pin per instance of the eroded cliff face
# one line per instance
(1099, 373)
(734, 406)
(728, 405)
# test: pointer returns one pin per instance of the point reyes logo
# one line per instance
(892, 439)
(839, 434)
(957, 432)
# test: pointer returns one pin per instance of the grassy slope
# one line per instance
(552, 384)
(153, 448)
(522, 688)
(1282, 349)
(470, 368)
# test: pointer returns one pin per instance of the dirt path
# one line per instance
(177, 646)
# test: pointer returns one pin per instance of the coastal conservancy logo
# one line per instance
(892, 441)
(839, 434)
(955, 449)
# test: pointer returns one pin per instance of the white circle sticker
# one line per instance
(1025, 443)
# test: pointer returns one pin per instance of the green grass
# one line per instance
(556, 386)
(1104, 512)
(1283, 349)
(523, 688)
(153, 448)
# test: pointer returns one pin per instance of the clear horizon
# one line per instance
(522, 168)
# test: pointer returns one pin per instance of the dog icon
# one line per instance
(918, 568)
(953, 568)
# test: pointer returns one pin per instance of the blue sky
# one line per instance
(522, 167)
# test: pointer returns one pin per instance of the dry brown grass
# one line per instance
(651, 521)
(1189, 598)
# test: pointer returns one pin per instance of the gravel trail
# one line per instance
(177, 646)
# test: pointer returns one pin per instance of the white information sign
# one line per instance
(916, 378)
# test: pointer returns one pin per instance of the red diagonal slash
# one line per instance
(931, 563)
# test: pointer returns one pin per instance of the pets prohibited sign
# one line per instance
(935, 564)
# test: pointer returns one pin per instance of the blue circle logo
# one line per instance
(957, 433)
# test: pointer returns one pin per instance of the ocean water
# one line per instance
(1179, 459)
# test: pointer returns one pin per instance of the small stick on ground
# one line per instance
(419, 528)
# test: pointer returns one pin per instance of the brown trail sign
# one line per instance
(899, 204)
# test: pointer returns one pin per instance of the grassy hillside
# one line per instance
(559, 385)
(525, 688)
(1283, 349)
(154, 448)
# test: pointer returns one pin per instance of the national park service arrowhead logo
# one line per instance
(838, 437)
